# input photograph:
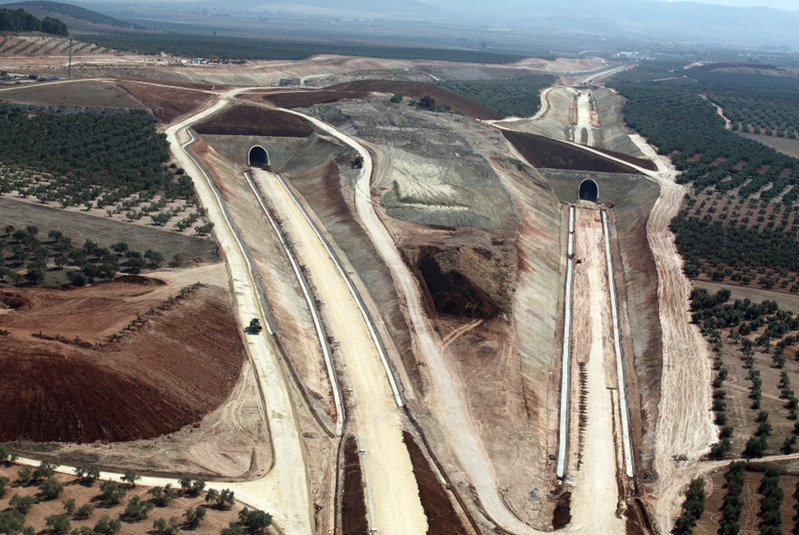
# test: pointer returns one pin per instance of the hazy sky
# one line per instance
(791, 5)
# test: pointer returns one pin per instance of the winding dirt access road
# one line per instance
(284, 491)
(685, 425)
(391, 485)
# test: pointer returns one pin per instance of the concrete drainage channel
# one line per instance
(565, 379)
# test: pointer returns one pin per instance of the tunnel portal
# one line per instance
(257, 156)
(589, 190)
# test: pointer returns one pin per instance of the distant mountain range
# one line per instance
(642, 21)
(76, 18)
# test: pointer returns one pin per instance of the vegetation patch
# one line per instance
(718, 251)
(19, 20)
(25, 257)
(253, 49)
(755, 347)
(39, 500)
(513, 96)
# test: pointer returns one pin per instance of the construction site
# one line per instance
(424, 322)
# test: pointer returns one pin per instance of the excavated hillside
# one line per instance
(482, 233)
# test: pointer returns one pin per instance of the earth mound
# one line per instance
(69, 376)
(420, 89)
(303, 99)
(255, 121)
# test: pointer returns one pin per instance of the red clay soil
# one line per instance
(548, 153)
(64, 380)
(167, 103)
(246, 120)
(418, 90)
(353, 504)
(441, 515)
(302, 99)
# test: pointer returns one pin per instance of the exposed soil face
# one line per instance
(167, 103)
(246, 120)
(418, 90)
(175, 364)
(549, 153)
(452, 293)
(441, 515)
(300, 99)
(353, 503)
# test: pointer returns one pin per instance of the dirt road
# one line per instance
(596, 494)
(584, 132)
(284, 491)
(685, 424)
(387, 464)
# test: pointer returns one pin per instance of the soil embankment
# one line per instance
(353, 501)
(243, 120)
(544, 152)
(418, 90)
(113, 362)
(441, 515)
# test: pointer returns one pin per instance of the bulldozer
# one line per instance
(254, 327)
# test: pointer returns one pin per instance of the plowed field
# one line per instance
(63, 378)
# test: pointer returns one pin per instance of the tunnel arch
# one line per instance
(257, 156)
(588, 190)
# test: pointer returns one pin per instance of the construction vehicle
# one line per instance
(357, 162)
(254, 327)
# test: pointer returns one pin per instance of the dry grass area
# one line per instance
(78, 94)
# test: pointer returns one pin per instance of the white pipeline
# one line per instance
(565, 375)
(623, 407)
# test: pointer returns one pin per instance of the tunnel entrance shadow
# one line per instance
(589, 190)
(257, 156)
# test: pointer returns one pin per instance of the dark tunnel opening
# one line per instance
(257, 156)
(589, 190)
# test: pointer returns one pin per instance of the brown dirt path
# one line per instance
(685, 426)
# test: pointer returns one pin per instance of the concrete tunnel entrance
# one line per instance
(589, 190)
(257, 156)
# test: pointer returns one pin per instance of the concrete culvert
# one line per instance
(257, 157)
(589, 190)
